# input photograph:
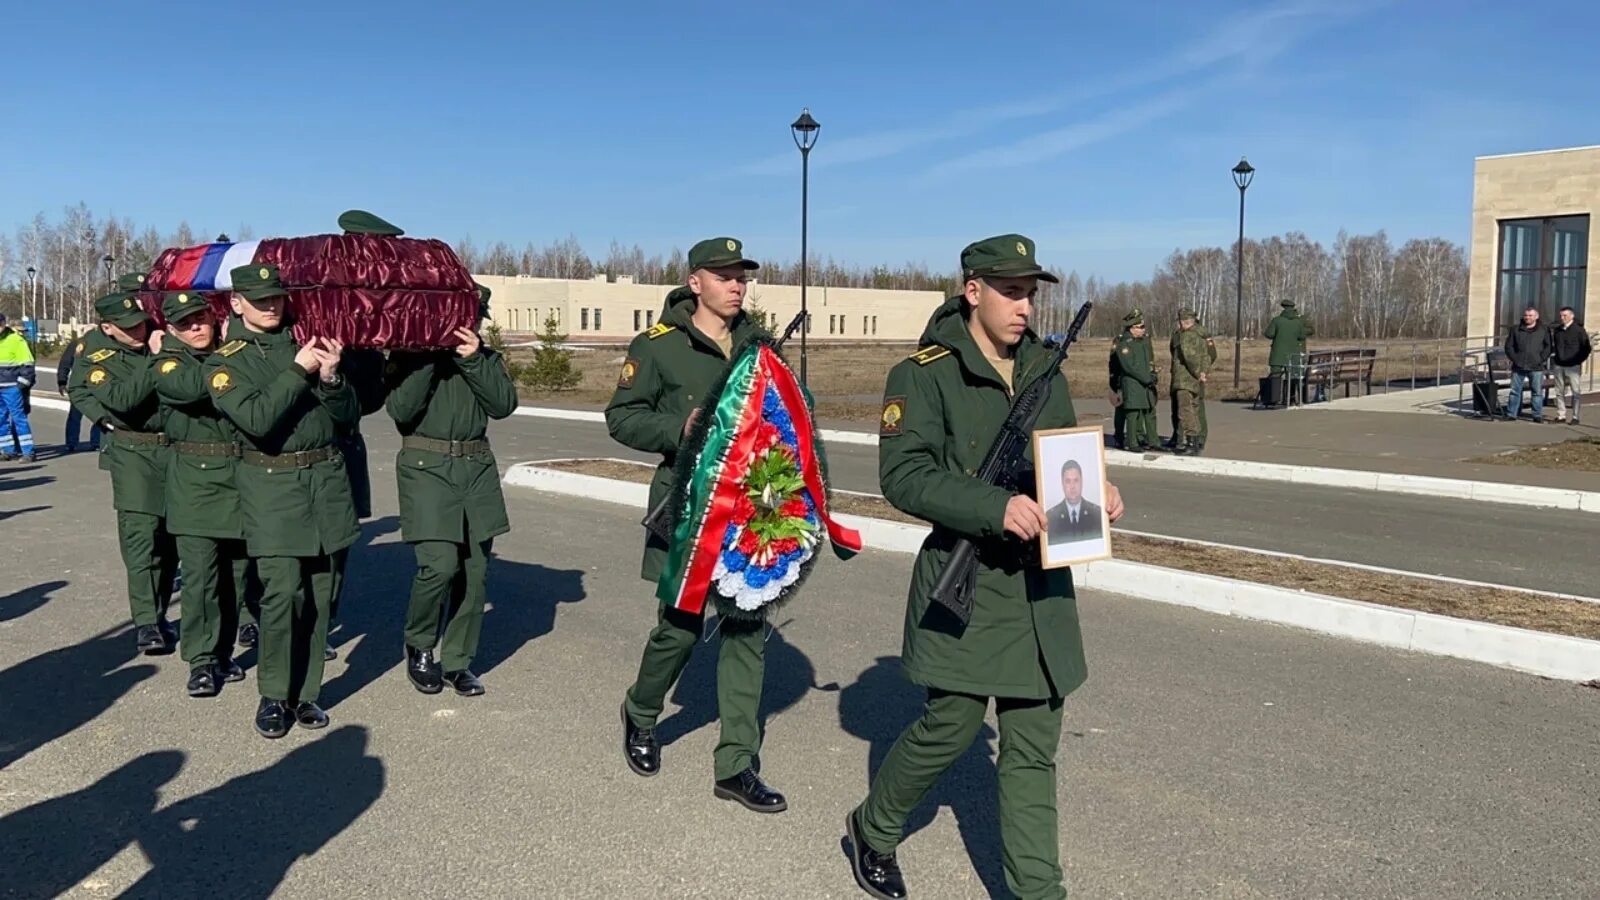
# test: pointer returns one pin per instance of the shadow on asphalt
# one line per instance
(877, 708)
(8, 513)
(789, 675)
(245, 834)
(18, 484)
(522, 607)
(56, 692)
(19, 604)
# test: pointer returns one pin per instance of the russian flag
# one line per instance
(209, 267)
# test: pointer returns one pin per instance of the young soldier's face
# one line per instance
(197, 330)
(260, 315)
(1003, 306)
(721, 290)
(1185, 324)
(131, 337)
(1137, 331)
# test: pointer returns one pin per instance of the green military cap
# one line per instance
(1286, 304)
(1187, 313)
(359, 221)
(1003, 256)
(1134, 317)
(121, 309)
(179, 305)
(133, 281)
(257, 282)
(719, 253)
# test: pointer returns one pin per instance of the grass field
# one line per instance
(848, 380)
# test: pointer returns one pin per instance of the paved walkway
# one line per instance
(1206, 757)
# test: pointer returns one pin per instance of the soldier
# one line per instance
(202, 502)
(1133, 376)
(112, 385)
(451, 506)
(942, 409)
(668, 370)
(287, 403)
(1172, 388)
(1288, 333)
(1192, 356)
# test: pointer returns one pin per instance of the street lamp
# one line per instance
(33, 291)
(107, 261)
(805, 131)
(1243, 174)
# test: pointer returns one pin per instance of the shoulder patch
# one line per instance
(894, 414)
(929, 354)
(102, 355)
(630, 370)
(221, 382)
(658, 329)
(230, 348)
(98, 376)
(167, 366)
(79, 348)
(1125, 349)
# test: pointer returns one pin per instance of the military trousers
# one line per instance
(1119, 425)
(1141, 429)
(296, 595)
(741, 665)
(150, 557)
(1030, 732)
(1188, 403)
(456, 574)
(1200, 412)
(214, 574)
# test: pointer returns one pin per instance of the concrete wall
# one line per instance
(1527, 186)
(521, 303)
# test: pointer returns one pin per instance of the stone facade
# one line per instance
(1526, 186)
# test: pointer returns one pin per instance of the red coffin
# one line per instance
(368, 291)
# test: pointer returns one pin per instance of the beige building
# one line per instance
(602, 311)
(1531, 236)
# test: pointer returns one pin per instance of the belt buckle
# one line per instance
(162, 440)
(235, 451)
(300, 461)
(456, 449)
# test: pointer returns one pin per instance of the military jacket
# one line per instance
(943, 407)
(201, 497)
(112, 383)
(666, 375)
(442, 396)
(1133, 372)
(1288, 333)
(278, 408)
(1192, 356)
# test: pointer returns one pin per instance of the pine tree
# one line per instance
(551, 368)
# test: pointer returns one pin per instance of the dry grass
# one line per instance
(1497, 605)
(1580, 455)
(847, 381)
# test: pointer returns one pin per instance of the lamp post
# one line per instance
(33, 292)
(805, 130)
(1243, 174)
(107, 261)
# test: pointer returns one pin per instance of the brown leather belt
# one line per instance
(448, 448)
(195, 448)
(299, 459)
(123, 435)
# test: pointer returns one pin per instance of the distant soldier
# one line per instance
(1133, 378)
(1172, 388)
(1288, 333)
(1192, 356)
(202, 502)
(288, 403)
(451, 506)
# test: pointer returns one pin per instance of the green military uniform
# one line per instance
(451, 505)
(1172, 390)
(1288, 333)
(364, 369)
(112, 385)
(1192, 356)
(294, 493)
(665, 377)
(1119, 413)
(1133, 377)
(942, 409)
(202, 502)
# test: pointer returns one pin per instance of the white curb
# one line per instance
(1536, 652)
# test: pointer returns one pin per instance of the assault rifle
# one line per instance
(957, 581)
(657, 521)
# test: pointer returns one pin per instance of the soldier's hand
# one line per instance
(155, 340)
(689, 422)
(308, 358)
(331, 350)
(1024, 518)
(1202, 378)
(1113, 502)
(470, 343)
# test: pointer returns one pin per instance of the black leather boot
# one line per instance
(272, 718)
(748, 790)
(640, 747)
(465, 683)
(877, 873)
(423, 670)
(203, 681)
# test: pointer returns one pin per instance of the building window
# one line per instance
(583, 319)
(863, 324)
(636, 320)
(808, 323)
(597, 318)
(1543, 264)
(830, 324)
(874, 324)
(649, 318)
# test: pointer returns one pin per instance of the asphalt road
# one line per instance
(1206, 756)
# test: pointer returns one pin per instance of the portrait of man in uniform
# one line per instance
(1070, 475)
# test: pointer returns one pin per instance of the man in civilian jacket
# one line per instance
(1528, 348)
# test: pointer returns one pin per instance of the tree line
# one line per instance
(1359, 287)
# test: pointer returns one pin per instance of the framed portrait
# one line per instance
(1070, 474)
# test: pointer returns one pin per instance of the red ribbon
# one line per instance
(789, 392)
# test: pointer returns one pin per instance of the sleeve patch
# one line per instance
(168, 366)
(630, 371)
(98, 376)
(893, 418)
(221, 382)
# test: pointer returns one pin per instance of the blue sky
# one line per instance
(1104, 130)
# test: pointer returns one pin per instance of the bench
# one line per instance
(1491, 366)
(1349, 367)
